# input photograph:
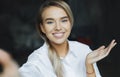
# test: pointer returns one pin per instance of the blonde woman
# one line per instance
(60, 57)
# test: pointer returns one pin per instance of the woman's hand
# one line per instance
(10, 67)
(100, 53)
(97, 55)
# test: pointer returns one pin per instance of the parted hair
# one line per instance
(53, 56)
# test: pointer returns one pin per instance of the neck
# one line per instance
(61, 49)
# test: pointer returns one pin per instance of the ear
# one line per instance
(42, 28)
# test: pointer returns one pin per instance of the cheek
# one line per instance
(68, 27)
(48, 29)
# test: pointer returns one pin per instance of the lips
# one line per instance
(58, 35)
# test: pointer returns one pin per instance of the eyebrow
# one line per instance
(64, 17)
(53, 19)
(49, 19)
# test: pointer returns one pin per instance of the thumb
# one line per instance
(5, 58)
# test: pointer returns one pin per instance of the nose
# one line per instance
(58, 26)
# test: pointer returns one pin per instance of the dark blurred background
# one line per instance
(96, 24)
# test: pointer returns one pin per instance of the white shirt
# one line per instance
(39, 65)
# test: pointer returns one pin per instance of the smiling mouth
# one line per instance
(58, 35)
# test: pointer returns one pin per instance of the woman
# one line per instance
(59, 57)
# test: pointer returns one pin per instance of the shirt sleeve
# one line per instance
(37, 66)
(29, 70)
(96, 70)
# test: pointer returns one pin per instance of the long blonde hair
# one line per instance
(53, 55)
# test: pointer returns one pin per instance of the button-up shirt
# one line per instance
(39, 65)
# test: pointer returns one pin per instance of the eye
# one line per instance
(49, 22)
(64, 20)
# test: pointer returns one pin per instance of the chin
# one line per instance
(59, 42)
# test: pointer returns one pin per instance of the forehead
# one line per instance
(53, 12)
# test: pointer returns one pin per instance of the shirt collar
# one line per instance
(71, 45)
(72, 48)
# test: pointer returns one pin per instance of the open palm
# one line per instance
(100, 53)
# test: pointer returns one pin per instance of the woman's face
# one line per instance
(56, 25)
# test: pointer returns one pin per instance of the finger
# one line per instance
(111, 45)
(114, 43)
(101, 47)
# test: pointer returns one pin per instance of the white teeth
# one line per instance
(58, 35)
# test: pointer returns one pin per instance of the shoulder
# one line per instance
(77, 44)
(39, 56)
(40, 53)
(79, 48)
(37, 61)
